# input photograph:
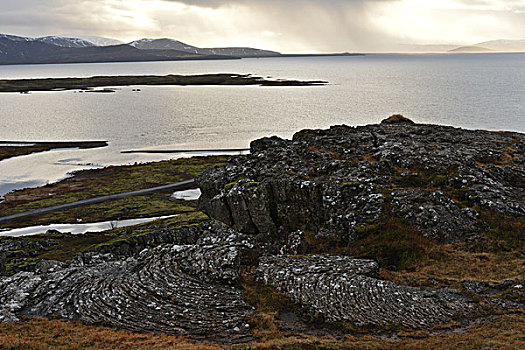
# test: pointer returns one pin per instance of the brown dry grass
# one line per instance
(502, 332)
(453, 262)
(41, 334)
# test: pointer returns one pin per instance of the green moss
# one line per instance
(464, 197)
(229, 186)
(364, 230)
(131, 234)
(351, 187)
(507, 230)
(412, 180)
(439, 180)
(158, 204)
(512, 294)
(23, 266)
(268, 299)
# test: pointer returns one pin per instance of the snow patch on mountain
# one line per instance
(65, 41)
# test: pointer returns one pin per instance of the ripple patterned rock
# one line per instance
(172, 289)
(345, 289)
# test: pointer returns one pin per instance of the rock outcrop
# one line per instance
(190, 290)
(340, 181)
(2, 263)
(291, 197)
(345, 289)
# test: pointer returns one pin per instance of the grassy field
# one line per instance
(110, 180)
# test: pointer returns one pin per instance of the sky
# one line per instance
(288, 26)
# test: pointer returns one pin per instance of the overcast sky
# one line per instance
(286, 26)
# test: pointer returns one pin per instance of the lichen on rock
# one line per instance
(336, 180)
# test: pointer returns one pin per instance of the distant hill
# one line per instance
(164, 44)
(471, 49)
(487, 46)
(426, 48)
(23, 50)
(504, 45)
(241, 52)
(171, 44)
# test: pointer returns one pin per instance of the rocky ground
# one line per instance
(337, 182)
(380, 229)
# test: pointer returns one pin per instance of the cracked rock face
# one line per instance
(345, 289)
(187, 290)
(337, 180)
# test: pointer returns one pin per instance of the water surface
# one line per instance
(474, 91)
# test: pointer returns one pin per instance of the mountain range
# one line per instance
(58, 49)
(89, 49)
(170, 44)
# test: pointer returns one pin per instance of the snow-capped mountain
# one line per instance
(18, 48)
(23, 50)
(171, 44)
(61, 49)
(65, 41)
(99, 41)
(15, 37)
(51, 40)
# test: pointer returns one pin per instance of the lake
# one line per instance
(484, 91)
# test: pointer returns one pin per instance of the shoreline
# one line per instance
(188, 151)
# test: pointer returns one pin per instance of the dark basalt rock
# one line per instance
(184, 290)
(341, 180)
(188, 285)
(2, 263)
(345, 289)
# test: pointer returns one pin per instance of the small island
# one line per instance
(10, 149)
(60, 84)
